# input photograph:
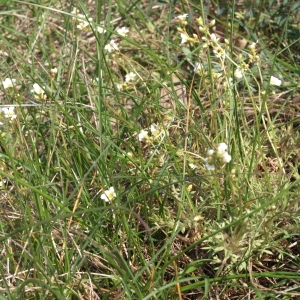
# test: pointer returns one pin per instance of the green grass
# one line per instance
(174, 229)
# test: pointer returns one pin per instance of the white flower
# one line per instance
(53, 71)
(39, 92)
(130, 76)
(184, 38)
(119, 87)
(109, 195)
(222, 147)
(219, 52)
(208, 165)
(9, 112)
(143, 135)
(122, 31)
(100, 29)
(192, 166)
(214, 38)
(182, 17)
(221, 150)
(220, 156)
(83, 25)
(7, 83)
(212, 23)
(210, 152)
(203, 30)
(226, 158)
(112, 46)
(252, 46)
(155, 129)
(198, 67)
(275, 81)
(238, 73)
(37, 89)
(75, 11)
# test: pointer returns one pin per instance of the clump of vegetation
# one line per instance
(149, 151)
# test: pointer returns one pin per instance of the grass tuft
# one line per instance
(149, 150)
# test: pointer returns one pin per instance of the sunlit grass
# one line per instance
(146, 155)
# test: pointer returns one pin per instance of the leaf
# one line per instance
(193, 266)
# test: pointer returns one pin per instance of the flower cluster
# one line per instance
(111, 46)
(122, 31)
(218, 157)
(240, 70)
(185, 37)
(253, 55)
(129, 80)
(156, 132)
(84, 23)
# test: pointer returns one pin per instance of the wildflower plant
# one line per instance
(218, 157)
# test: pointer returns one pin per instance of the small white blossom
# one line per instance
(119, 87)
(214, 38)
(100, 29)
(208, 165)
(219, 52)
(95, 81)
(8, 83)
(112, 46)
(75, 11)
(203, 30)
(143, 135)
(198, 67)
(82, 25)
(210, 152)
(155, 129)
(220, 157)
(212, 23)
(182, 17)
(184, 38)
(109, 194)
(226, 158)
(122, 31)
(37, 89)
(252, 46)
(192, 166)
(39, 92)
(9, 112)
(53, 72)
(275, 81)
(238, 73)
(130, 76)
(222, 148)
